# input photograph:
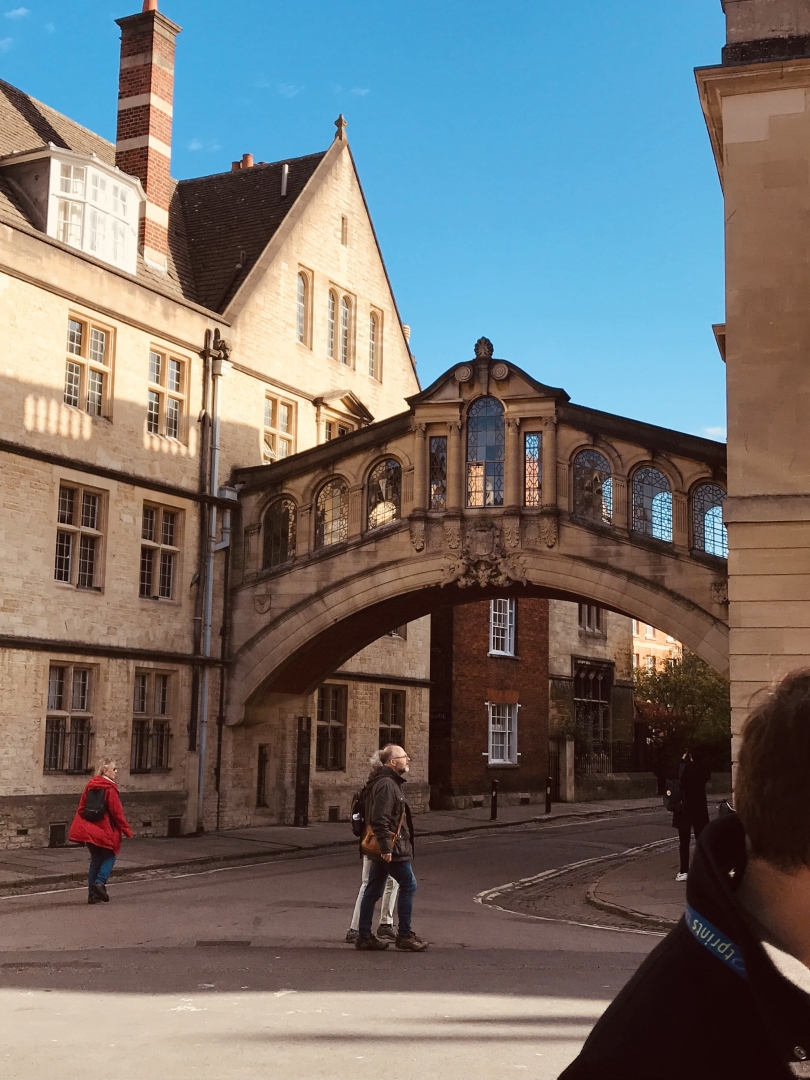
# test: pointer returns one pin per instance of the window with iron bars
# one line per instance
(79, 536)
(593, 691)
(330, 744)
(88, 367)
(69, 718)
(160, 552)
(151, 722)
(392, 717)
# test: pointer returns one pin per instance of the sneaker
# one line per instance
(352, 936)
(411, 943)
(387, 931)
(372, 943)
(680, 877)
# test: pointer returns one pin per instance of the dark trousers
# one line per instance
(684, 836)
(402, 873)
(102, 861)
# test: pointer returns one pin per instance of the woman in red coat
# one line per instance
(103, 837)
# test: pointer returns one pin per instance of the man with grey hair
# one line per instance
(386, 928)
(387, 815)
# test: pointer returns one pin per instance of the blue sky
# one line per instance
(538, 171)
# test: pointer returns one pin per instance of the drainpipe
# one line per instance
(223, 545)
(219, 358)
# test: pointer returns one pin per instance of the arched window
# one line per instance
(485, 445)
(708, 531)
(344, 330)
(652, 503)
(330, 324)
(301, 310)
(372, 346)
(384, 493)
(332, 514)
(279, 533)
(593, 486)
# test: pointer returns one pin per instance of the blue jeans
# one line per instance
(102, 860)
(402, 873)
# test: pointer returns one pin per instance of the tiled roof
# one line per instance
(231, 217)
(215, 222)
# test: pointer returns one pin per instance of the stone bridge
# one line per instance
(490, 483)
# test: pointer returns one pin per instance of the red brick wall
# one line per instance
(462, 687)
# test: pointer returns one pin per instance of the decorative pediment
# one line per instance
(345, 401)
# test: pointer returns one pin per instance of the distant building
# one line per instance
(653, 648)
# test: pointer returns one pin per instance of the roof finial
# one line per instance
(150, 5)
(483, 349)
(341, 126)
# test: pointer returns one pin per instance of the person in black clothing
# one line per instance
(727, 993)
(694, 814)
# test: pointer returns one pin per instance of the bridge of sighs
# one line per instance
(490, 484)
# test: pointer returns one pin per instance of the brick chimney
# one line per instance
(143, 145)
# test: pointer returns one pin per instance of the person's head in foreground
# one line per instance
(727, 993)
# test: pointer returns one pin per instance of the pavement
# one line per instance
(643, 889)
(25, 869)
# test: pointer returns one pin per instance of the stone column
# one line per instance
(550, 461)
(420, 466)
(513, 470)
(455, 467)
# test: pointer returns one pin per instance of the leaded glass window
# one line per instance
(301, 310)
(593, 486)
(709, 534)
(279, 533)
(384, 493)
(438, 472)
(485, 452)
(332, 514)
(330, 325)
(532, 468)
(652, 503)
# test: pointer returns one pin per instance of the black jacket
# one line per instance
(686, 1014)
(384, 805)
(693, 777)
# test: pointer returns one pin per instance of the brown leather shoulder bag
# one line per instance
(370, 846)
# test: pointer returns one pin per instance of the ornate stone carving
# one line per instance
(719, 590)
(549, 422)
(483, 561)
(454, 427)
(262, 598)
(452, 532)
(548, 529)
(532, 532)
(513, 424)
(463, 373)
(500, 371)
(483, 349)
(418, 534)
(511, 531)
(420, 430)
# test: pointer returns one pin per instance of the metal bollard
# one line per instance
(548, 794)
(493, 806)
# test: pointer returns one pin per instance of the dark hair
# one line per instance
(773, 774)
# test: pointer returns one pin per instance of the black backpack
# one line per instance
(95, 805)
(358, 812)
(673, 796)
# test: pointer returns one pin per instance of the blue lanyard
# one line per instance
(720, 946)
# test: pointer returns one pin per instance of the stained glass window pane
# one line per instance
(709, 534)
(279, 533)
(532, 444)
(384, 493)
(593, 487)
(438, 472)
(332, 514)
(652, 503)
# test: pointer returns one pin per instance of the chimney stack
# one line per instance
(758, 31)
(143, 145)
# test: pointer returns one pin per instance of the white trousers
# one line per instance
(387, 904)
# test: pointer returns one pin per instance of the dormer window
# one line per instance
(81, 201)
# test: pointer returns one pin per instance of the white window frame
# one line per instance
(649, 662)
(277, 441)
(502, 719)
(169, 395)
(502, 627)
(375, 341)
(85, 366)
(94, 210)
(73, 534)
(649, 633)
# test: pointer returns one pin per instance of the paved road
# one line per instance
(242, 972)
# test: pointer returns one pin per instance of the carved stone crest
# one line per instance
(452, 532)
(548, 530)
(719, 591)
(262, 599)
(483, 560)
(418, 534)
(482, 538)
(483, 349)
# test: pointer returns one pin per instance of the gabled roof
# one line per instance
(218, 225)
(349, 400)
(230, 219)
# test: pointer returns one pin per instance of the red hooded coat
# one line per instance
(107, 832)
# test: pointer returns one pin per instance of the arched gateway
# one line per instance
(489, 482)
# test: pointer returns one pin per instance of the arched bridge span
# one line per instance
(489, 484)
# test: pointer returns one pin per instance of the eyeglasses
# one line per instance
(401, 757)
